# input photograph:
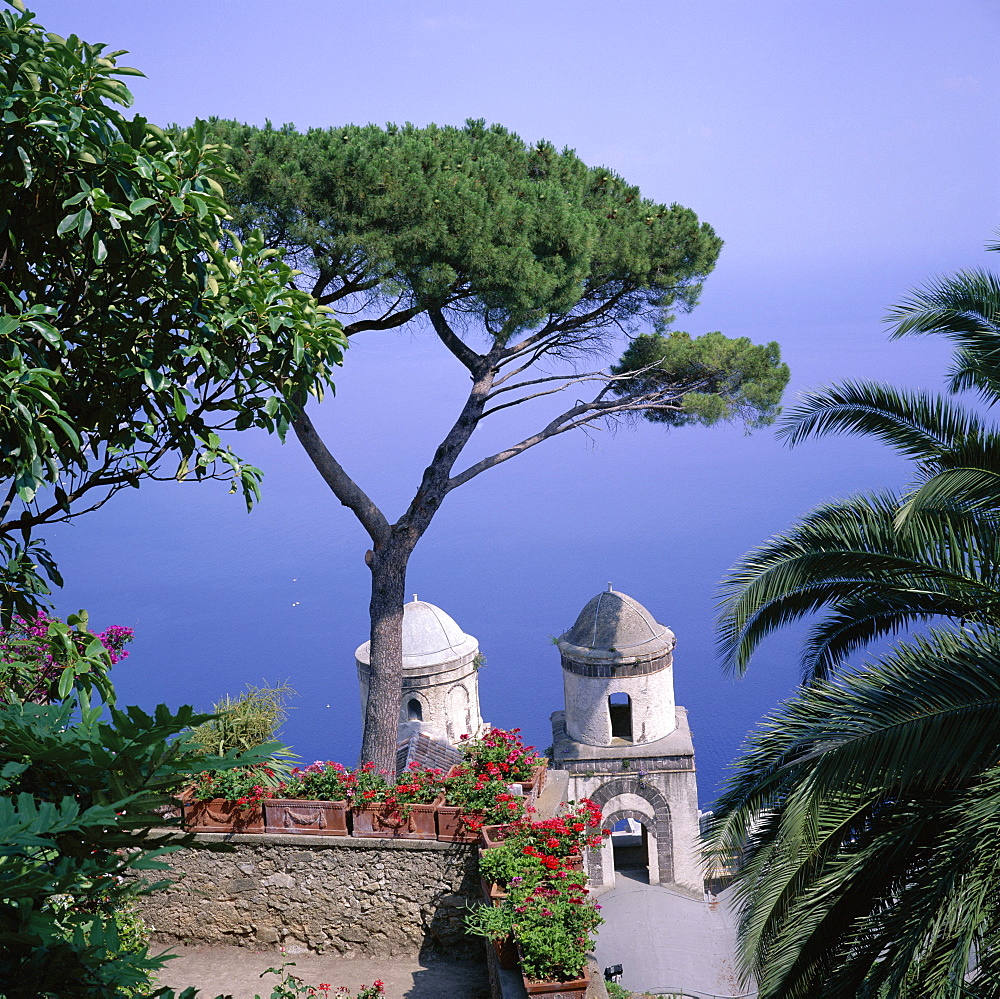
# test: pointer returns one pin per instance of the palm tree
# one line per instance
(866, 811)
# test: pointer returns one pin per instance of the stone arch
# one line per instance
(644, 819)
(661, 823)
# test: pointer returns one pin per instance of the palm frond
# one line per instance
(969, 489)
(864, 817)
(849, 557)
(965, 308)
(922, 426)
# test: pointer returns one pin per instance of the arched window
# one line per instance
(620, 708)
(414, 710)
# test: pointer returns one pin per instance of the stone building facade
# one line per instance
(624, 741)
(440, 676)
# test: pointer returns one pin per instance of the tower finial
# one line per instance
(610, 588)
(414, 598)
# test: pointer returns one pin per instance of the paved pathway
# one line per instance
(667, 940)
(235, 971)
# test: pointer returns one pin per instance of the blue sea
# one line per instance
(220, 598)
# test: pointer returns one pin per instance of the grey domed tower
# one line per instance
(440, 678)
(624, 741)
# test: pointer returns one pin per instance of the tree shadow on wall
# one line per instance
(453, 963)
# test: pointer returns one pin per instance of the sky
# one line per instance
(845, 151)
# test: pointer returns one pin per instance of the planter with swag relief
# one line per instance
(396, 822)
(297, 816)
(222, 815)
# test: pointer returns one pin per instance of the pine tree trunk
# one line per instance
(388, 569)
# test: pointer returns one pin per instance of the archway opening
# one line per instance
(620, 708)
(630, 846)
(414, 710)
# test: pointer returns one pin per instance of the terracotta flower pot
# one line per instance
(221, 815)
(562, 990)
(302, 817)
(490, 836)
(492, 892)
(183, 798)
(451, 825)
(390, 822)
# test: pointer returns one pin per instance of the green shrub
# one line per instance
(247, 722)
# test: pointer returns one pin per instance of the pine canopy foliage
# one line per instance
(472, 217)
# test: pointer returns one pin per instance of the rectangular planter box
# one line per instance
(451, 827)
(490, 836)
(387, 822)
(506, 951)
(533, 786)
(309, 818)
(492, 892)
(220, 815)
(559, 990)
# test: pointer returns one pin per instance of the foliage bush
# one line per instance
(78, 798)
(244, 722)
(80, 789)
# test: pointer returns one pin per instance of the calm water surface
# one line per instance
(219, 598)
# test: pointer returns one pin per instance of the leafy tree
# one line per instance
(865, 812)
(525, 264)
(80, 791)
(128, 336)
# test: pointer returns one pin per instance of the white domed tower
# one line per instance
(617, 648)
(440, 676)
(625, 742)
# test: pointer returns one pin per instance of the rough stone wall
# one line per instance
(356, 897)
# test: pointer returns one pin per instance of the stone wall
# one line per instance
(356, 897)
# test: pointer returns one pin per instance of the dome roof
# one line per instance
(430, 638)
(613, 625)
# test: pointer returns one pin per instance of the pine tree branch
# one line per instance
(342, 485)
(581, 415)
(454, 343)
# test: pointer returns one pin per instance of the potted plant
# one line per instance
(472, 801)
(227, 800)
(313, 800)
(388, 808)
(508, 864)
(553, 923)
(564, 835)
(501, 755)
